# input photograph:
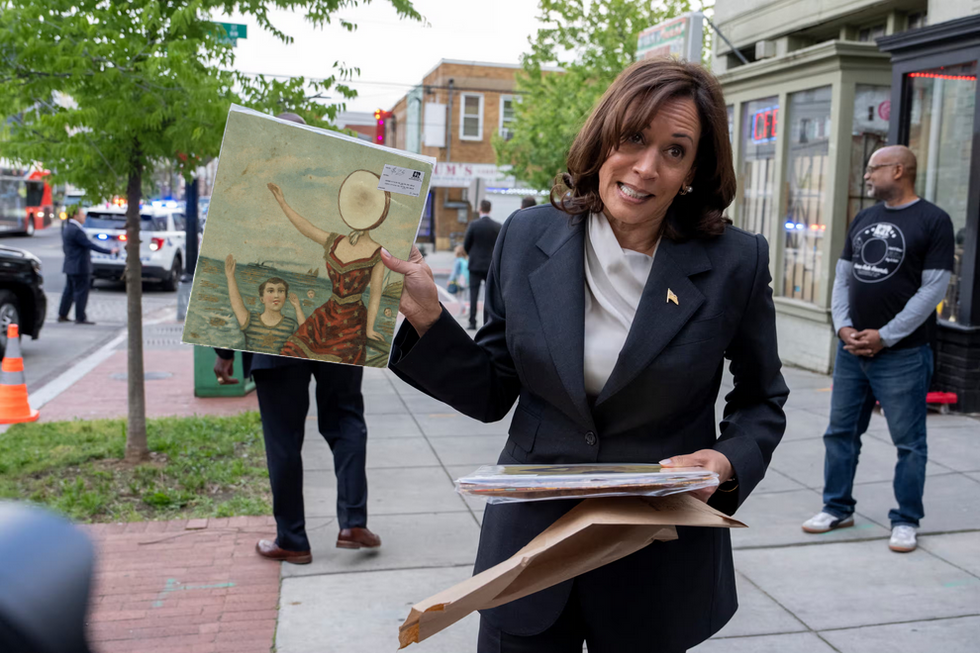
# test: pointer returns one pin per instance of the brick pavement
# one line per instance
(99, 395)
(187, 586)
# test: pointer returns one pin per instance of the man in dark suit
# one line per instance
(283, 388)
(480, 238)
(77, 267)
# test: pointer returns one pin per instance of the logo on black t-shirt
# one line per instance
(879, 250)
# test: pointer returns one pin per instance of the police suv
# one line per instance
(162, 241)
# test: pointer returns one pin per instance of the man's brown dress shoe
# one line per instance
(269, 549)
(355, 538)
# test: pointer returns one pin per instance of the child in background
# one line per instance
(459, 278)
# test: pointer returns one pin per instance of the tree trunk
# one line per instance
(136, 446)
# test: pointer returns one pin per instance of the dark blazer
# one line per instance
(659, 401)
(480, 238)
(78, 248)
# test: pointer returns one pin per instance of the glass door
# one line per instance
(940, 133)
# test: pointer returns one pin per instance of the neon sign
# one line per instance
(764, 123)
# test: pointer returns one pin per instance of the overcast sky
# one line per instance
(393, 54)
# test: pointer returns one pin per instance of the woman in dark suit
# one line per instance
(609, 315)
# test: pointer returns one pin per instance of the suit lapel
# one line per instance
(658, 319)
(558, 287)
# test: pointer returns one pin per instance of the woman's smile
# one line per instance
(632, 193)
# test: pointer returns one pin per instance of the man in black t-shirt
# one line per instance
(893, 272)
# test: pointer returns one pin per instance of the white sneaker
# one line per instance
(824, 521)
(903, 539)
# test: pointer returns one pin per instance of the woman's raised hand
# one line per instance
(420, 298)
(276, 192)
(229, 266)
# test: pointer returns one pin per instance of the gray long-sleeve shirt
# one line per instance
(916, 311)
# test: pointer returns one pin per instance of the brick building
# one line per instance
(454, 115)
(362, 123)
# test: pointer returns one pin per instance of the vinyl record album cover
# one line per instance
(290, 262)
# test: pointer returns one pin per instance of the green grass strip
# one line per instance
(199, 467)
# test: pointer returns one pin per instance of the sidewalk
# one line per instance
(843, 591)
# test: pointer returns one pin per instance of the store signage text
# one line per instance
(764, 125)
(461, 175)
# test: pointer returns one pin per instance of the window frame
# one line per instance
(500, 127)
(463, 116)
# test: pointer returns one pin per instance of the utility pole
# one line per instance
(190, 247)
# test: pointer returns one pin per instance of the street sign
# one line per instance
(679, 37)
(231, 32)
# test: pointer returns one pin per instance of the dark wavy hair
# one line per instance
(272, 280)
(627, 107)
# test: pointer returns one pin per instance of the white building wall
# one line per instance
(805, 343)
(942, 10)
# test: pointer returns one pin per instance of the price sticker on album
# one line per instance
(404, 181)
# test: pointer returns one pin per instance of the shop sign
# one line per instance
(461, 175)
(764, 124)
(679, 37)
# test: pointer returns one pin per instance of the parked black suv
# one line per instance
(22, 299)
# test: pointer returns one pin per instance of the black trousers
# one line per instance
(76, 290)
(476, 279)
(284, 400)
(573, 628)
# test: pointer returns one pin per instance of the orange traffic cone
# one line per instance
(13, 388)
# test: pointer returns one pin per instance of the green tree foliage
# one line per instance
(100, 91)
(593, 41)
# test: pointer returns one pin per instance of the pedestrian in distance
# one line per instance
(478, 242)
(459, 279)
(283, 387)
(78, 265)
(528, 201)
(610, 312)
(896, 265)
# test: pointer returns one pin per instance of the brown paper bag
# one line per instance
(594, 533)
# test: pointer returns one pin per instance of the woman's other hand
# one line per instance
(374, 335)
(420, 298)
(229, 266)
(713, 461)
(276, 192)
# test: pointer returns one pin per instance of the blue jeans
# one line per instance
(899, 379)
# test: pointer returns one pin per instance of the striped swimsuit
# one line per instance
(267, 339)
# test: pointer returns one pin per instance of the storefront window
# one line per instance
(807, 169)
(760, 121)
(869, 132)
(940, 134)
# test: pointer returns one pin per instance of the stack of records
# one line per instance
(511, 483)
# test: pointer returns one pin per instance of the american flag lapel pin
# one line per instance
(671, 297)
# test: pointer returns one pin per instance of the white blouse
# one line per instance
(614, 281)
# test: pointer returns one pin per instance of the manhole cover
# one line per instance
(147, 376)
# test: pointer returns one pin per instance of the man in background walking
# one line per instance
(480, 238)
(77, 266)
(894, 270)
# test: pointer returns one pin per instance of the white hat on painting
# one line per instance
(362, 206)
